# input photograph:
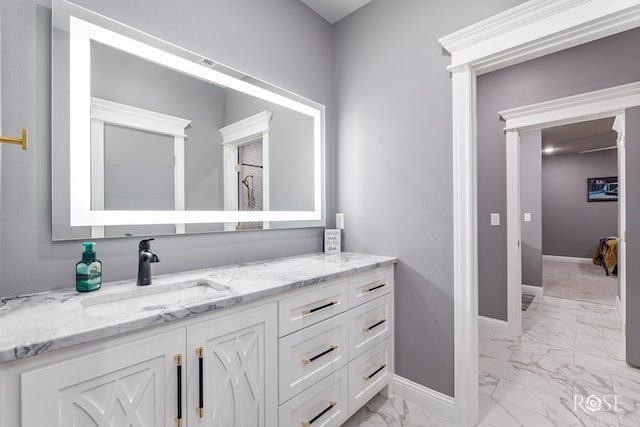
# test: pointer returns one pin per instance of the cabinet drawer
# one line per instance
(321, 405)
(369, 324)
(308, 355)
(308, 308)
(370, 286)
(368, 374)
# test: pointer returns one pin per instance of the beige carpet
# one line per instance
(576, 281)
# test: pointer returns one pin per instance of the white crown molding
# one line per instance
(138, 118)
(505, 22)
(536, 28)
(246, 128)
(590, 105)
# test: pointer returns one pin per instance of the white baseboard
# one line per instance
(567, 259)
(493, 325)
(425, 397)
(532, 290)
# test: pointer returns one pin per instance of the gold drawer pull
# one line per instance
(313, 310)
(324, 411)
(373, 374)
(317, 356)
(368, 328)
(378, 286)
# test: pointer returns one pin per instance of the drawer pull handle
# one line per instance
(178, 359)
(200, 407)
(324, 411)
(374, 373)
(313, 310)
(381, 285)
(317, 356)
(368, 328)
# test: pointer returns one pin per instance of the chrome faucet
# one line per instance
(145, 258)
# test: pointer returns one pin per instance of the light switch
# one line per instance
(527, 217)
(340, 221)
(495, 219)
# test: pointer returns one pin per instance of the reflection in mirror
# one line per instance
(152, 139)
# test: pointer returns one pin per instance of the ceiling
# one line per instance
(577, 137)
(335, 10)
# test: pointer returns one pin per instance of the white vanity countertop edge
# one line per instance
(45, 322)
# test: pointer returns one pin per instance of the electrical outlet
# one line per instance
(340, 221)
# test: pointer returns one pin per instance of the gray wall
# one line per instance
(531, 202)
(281, 41)
(572, 226)
(597, 65)
(393, 95)
(632, 123)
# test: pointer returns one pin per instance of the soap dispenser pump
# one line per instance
(88, 270)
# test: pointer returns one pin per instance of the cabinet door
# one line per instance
(239, 370)
(132, 384)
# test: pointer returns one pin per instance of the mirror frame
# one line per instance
(122, 37)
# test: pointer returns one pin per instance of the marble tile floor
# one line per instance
(566, 369)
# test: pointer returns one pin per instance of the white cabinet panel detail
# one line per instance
(130, 385)
(239, 352)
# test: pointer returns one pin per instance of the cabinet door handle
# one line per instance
(378, 286)
(324, 411)
(329, 350)
(178, 359)
(374, 373)
(200, 407)
(313, 310)
(368, 328)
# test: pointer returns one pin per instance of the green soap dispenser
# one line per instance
(89, 270)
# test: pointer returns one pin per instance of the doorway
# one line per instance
(580, 108)
(579, 207)
(495, 43)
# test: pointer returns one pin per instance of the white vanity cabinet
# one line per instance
(127, 384)
(335, 349)
(231, 370)
(309, 356)
(134, 381)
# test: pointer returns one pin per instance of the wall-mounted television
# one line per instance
(603, 189)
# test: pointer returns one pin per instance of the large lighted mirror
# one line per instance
(149, 138)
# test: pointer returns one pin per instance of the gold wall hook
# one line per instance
(20, 141)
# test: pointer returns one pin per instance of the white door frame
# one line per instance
(531, 30)
(608, 102)
(234, 136)
(619, 127)
(105, 112)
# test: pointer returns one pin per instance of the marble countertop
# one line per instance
(40, 323)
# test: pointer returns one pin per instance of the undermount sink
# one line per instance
(153, 297)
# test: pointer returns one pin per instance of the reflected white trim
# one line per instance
(233, 136)
(109, 112)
